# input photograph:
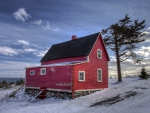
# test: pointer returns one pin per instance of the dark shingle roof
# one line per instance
(73, 48)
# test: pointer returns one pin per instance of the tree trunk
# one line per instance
(118, 61)
(118, 68)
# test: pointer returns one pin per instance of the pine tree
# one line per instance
(17, 82)
(21, 81)
(122, 38)
(0, 84)
(4, 82)
(143, 73)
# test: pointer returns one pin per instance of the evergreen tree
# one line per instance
(21, 81)
(17, 82)
(0, 84)
(143, 73)
(122, 38)
(4, 82)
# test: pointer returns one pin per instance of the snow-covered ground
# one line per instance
(130, 96)
(4, 94)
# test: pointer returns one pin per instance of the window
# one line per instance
(43, 71)
(99, 54)
(32, 72)
(81, 75)
(99, 75)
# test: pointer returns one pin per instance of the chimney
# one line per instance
(74, 37)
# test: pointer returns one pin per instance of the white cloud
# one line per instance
(148, 28)
(112, 58)
(146, 32)
(48, 27)
(14, 68)
(37, 22)
(21, 14)
(127, 67)
(40, 53)
(23, 42)
(8, 51)
(30, 50)
(144, 51)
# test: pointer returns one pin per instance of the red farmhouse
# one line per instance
(74, 67)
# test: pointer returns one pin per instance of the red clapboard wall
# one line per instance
(57, 77)
(90, 69)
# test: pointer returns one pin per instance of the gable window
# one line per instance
(99, 54)
(43, 71)
(32, 72)
(99, 75)
(81, 76)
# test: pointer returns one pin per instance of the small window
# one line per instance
(43, 71)
(32, 72)
(99, 54)
(99, 75)
(81, 75)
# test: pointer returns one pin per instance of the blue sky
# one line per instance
(28, 28)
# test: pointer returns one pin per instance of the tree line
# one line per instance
(6, 85)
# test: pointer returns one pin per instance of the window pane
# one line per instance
(81, 76)
(43, 71)
(99, 53)
(32, 72)
(99, 75)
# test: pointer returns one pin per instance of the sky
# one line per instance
(28, 28)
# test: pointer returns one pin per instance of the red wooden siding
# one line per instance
(90, 69)
(64, 60)
(56, 77)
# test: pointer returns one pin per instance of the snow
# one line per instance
(4, 93)
(61, 64)
(138, 103)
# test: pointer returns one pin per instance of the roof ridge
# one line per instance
(77, 38)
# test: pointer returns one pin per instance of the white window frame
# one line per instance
(83, 75)
(98, 75)
(32, 72)
(42, 70)
(98, 54)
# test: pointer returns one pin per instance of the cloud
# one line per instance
(30, 50)
(146, 32)
(8, 51)
(14, 68)
(40, 53)
(48, 27)
(147, 35)
(127, 67)
(21, 15)
(112, 58)
(23, 42)
(143, 51)
(27, 47)
(37, 22)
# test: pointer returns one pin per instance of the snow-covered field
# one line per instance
(4, 94)
(130, 96)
